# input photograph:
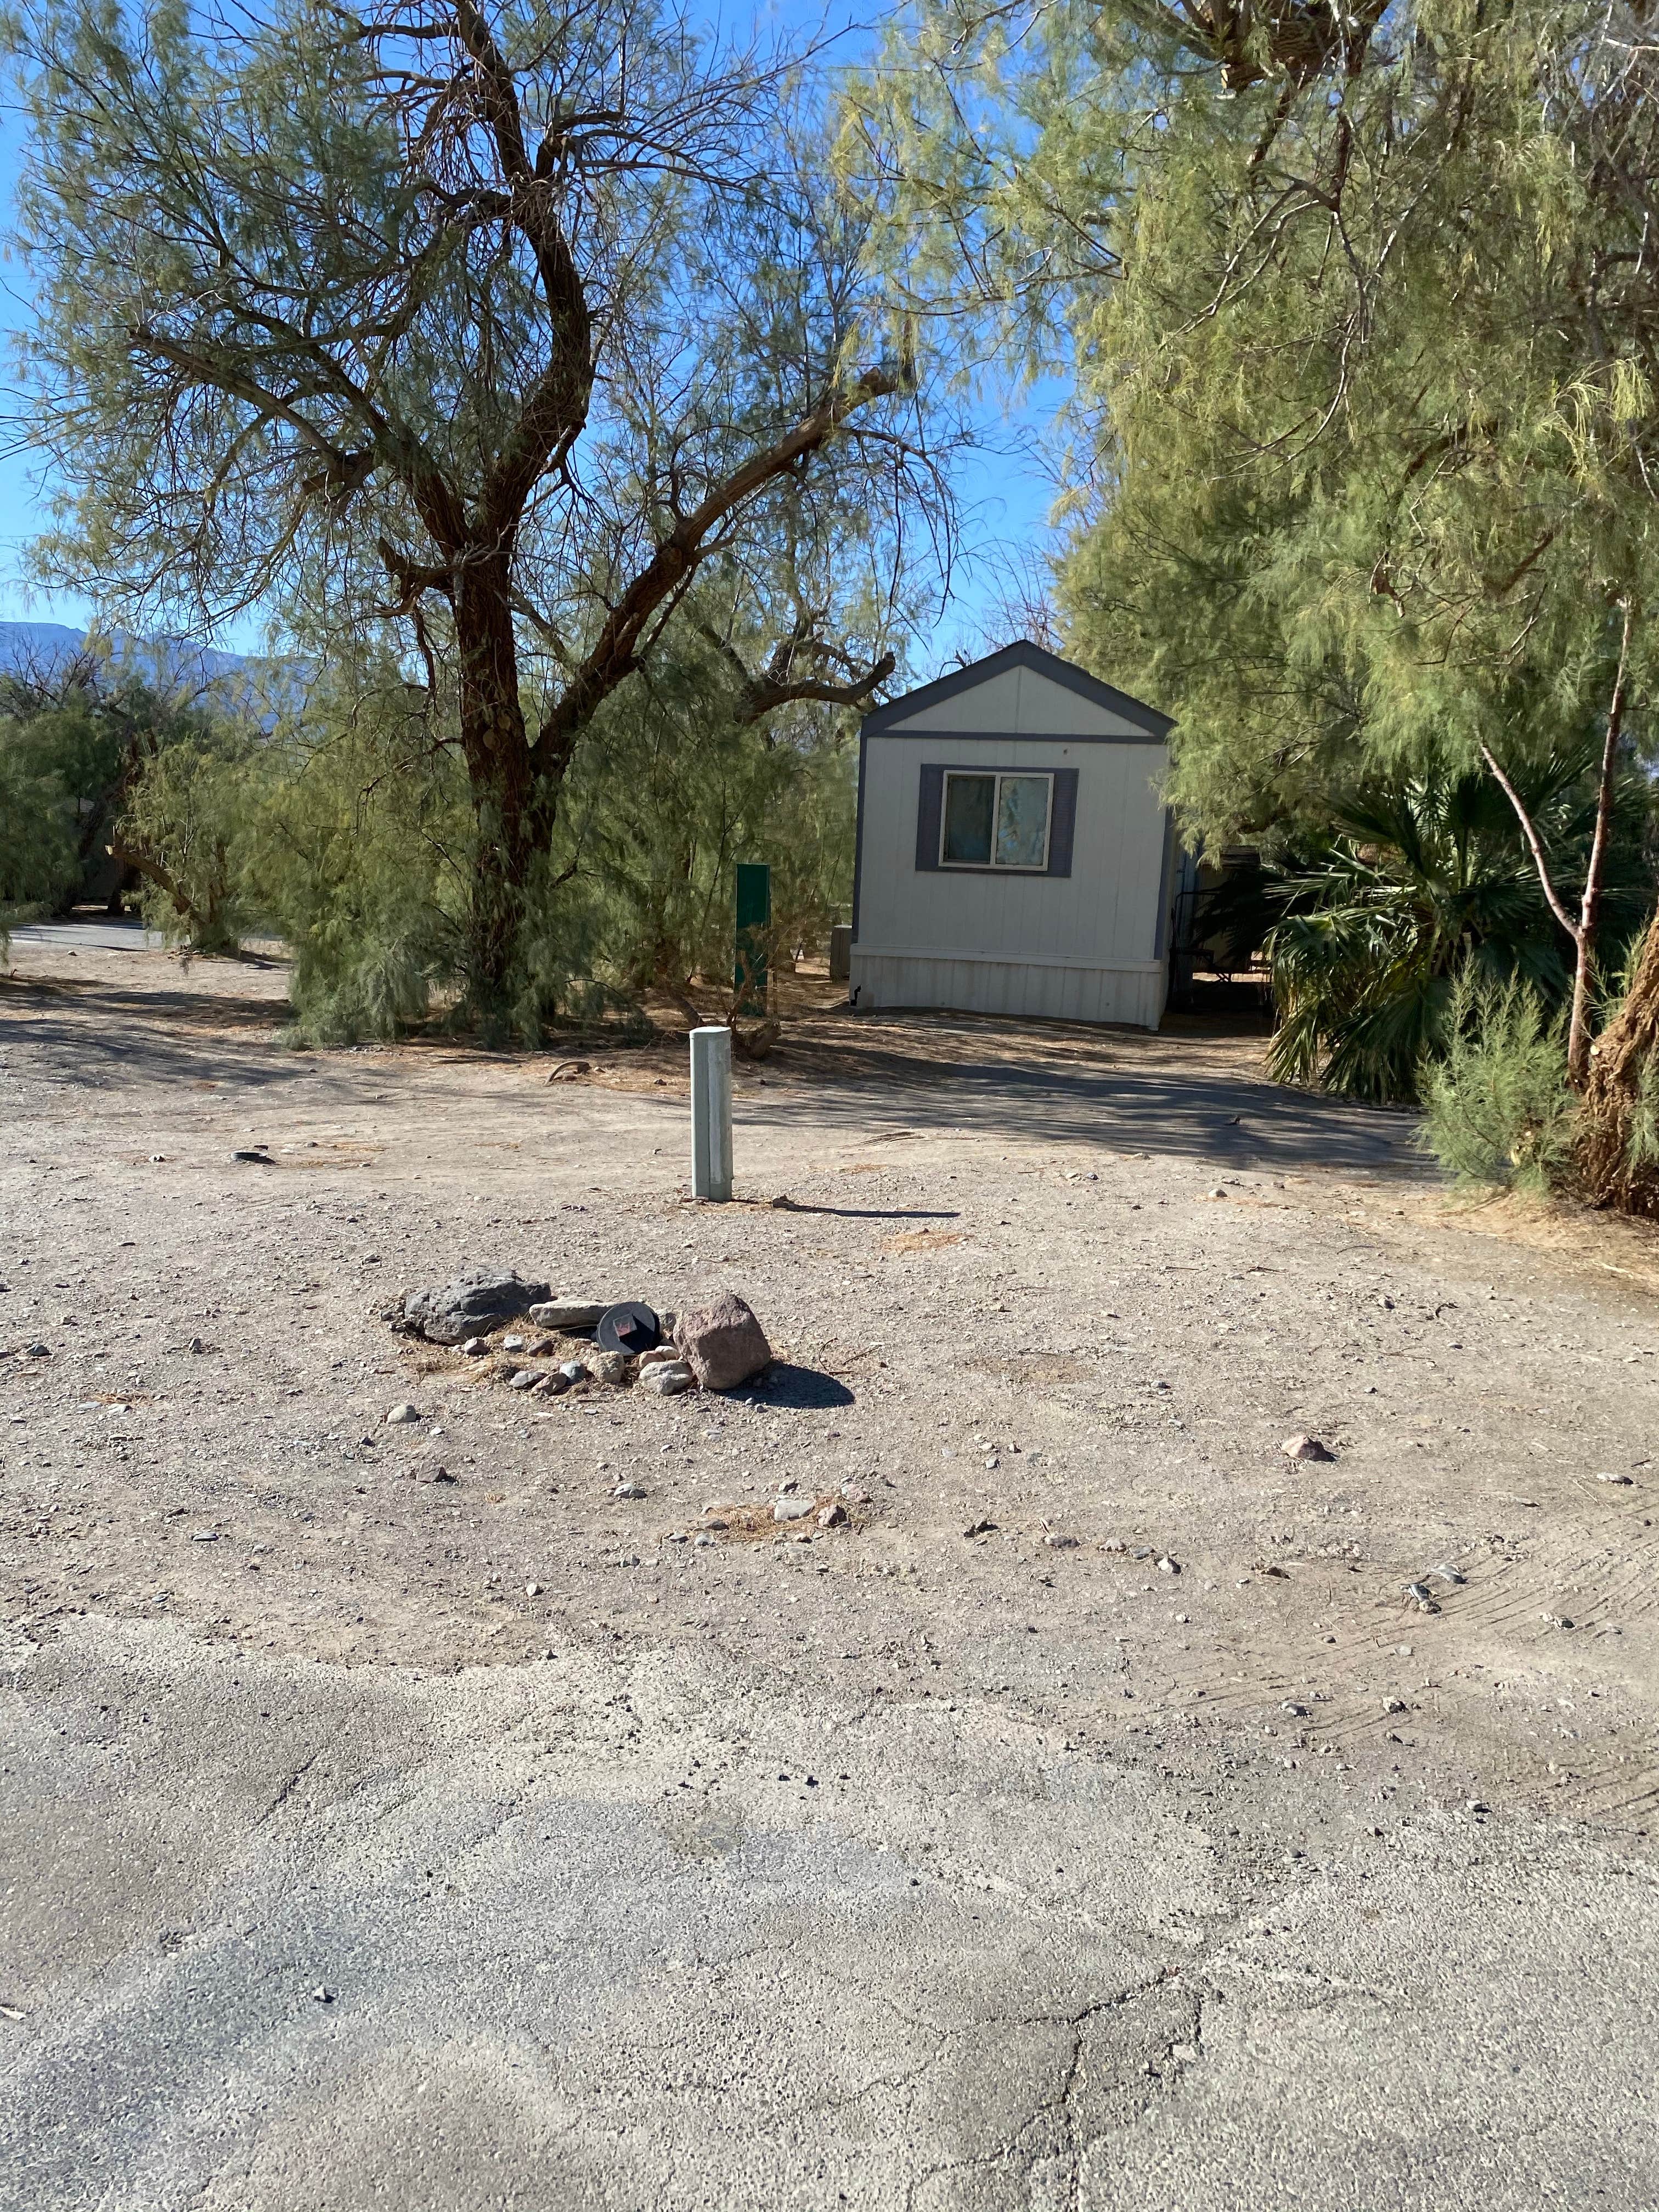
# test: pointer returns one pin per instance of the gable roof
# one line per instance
(1023, 654)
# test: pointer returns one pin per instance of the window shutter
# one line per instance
(1063, 827)
(929, 806)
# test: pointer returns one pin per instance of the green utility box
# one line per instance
(754, 924)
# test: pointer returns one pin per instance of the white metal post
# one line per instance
(711, 1113)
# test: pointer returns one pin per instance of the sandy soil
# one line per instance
(1071, 1287)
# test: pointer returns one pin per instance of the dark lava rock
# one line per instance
(474, 1303)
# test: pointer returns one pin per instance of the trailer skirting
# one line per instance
(1061, 990)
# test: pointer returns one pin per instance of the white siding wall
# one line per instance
(1083, 947)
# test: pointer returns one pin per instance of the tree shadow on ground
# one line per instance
(100, 1038)
(1063, 1084)
(1193, 1091)
(865, 1213)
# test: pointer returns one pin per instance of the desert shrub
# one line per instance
(38, 865)
(337, 822)
(64, 744)
(188, 826)
(362, 849)
(1498, 1109)
(672, 790)
(346, 828)
(359, 856)
(75, 733)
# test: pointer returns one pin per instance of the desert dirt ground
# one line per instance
(392, 1815)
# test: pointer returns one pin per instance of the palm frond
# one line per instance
(1422, 878)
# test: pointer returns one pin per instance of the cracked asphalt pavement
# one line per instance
(327, 1940)
(895, 1867)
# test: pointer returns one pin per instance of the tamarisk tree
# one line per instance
(496, 323)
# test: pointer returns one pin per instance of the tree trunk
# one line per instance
(1585, 930)
(507, 814)
(1589, 912)
(127, 857)
(1609, 1175)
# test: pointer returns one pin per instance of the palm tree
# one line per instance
(1422, 878)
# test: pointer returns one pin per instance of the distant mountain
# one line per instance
(170, 662)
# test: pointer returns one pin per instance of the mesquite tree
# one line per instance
(493, 322)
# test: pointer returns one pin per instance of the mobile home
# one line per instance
(1015, 854)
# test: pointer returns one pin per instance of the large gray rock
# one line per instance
(451, 1312)
(723, 1344)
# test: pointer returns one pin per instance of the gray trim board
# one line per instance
(1161, 939)
(858, 839)
(1062, 829)
(1026, 737)
(930, 812)
(1156, 725)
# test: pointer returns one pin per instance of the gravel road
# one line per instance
(896, 1867)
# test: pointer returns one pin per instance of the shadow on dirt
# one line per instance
(891, 1077)
(787, 1388)
(99, 1038)
(866, 1212)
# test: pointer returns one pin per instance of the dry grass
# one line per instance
(1599, 1243)
(754, 1524)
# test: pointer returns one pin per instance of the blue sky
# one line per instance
(20, 513)
(1006, 499)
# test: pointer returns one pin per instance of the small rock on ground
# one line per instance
(666, 1377)
(615, 1368)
